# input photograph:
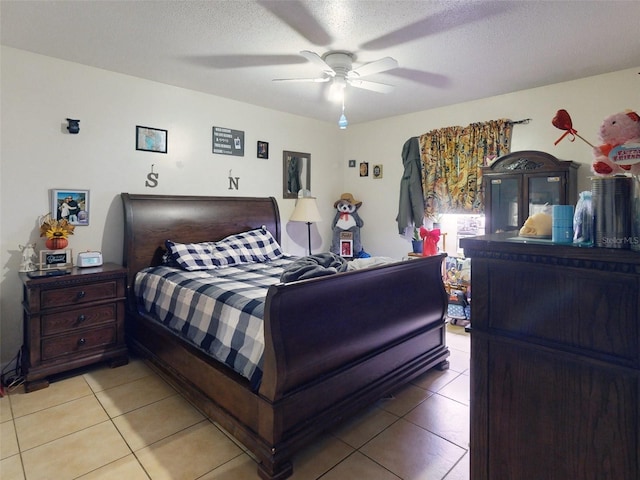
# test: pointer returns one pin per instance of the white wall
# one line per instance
(37, 154)
(588, 101)
(38, 93)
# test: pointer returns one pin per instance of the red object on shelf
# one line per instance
(430, 239)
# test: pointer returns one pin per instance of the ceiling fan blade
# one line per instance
(317, 59)
(373, 86)
(455, 16)
(243, 61)
(310, 80)
(425, 78)
(386, 63)
(296, 14)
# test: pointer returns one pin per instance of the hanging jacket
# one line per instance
(411, 207)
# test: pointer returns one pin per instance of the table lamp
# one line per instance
(306, 211)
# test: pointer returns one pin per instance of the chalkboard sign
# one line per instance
(55, 259)
(228, 142)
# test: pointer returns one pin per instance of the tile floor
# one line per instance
(129, 423)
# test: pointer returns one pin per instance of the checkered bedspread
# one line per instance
(220, 311)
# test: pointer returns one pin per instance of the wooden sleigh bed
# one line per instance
(333, 345)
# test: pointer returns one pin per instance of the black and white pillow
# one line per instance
(247, 247)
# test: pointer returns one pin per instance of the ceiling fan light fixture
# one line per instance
(336, 90)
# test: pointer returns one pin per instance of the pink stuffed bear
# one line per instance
(616, 130)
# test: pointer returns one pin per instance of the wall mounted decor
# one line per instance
(296, 173)
(263, 149)
(234, 182)
(73, 126)
(70, 205)
(228, 142)
(352, 164)
(377, 172)
(152, 178)
(364, 169)
(151, 139)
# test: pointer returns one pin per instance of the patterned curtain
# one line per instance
(451, 161)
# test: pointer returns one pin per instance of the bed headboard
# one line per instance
(149, 220)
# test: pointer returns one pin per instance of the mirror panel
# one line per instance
(296, 173)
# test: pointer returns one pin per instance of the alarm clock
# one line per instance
(89, 259)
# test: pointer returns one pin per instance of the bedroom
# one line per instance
(39, 92)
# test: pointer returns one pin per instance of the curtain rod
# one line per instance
(519, 122)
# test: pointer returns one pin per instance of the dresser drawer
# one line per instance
(76, 343)
(78, 318)
(76, 294)
(600, 323)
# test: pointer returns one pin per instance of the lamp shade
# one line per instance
(306, 211)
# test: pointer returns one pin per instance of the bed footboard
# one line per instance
(336, 344)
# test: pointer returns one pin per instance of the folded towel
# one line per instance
(312, 266)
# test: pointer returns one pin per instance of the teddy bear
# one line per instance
(346, 219)
(620, 151)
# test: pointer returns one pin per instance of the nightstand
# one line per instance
(71, 321)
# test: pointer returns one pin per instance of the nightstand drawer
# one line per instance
(75, 294)
(77, 343)
(79, 318)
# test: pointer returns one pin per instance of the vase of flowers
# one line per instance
(56, 232)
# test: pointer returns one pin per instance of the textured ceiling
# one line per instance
(448, 51)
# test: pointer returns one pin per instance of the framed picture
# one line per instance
(70, 205)
(377, 171)
(227, 141)
(352, 164)
(55, 259)
(346, 244)
(296, 173)
(346, 248)
(263, 149)
(364, 169)
(151, 139)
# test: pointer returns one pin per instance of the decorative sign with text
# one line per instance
(55, 259)
(228, 142)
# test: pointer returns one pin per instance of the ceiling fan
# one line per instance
(337, 67)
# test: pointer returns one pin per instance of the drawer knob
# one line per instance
(82, 341)
(81, 294)
(81, 318)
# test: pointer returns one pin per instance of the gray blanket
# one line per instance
(312, 266)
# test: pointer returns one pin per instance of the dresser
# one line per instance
(71, 321)
(555, 360)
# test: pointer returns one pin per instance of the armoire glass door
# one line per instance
(544, 192)
(505, 206)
